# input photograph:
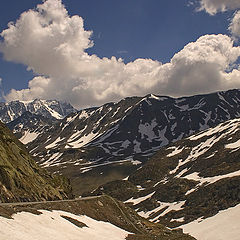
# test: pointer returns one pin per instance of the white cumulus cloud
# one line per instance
(234, 26)
(52, 44)
(214, 6)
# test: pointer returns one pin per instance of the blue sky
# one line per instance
(152, 29)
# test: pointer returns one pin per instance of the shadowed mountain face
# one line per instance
(21, 179)
(193, 178)
(126, 133)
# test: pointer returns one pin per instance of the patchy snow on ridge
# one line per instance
(82, 141)
(230, 127)
(147, 130)
(88, 168)
(175, 151)
(138, 200)
(52, 226)
(51, 111)
(175, 206)
(222, 226)
(52, 160)
(54, 144)
(233, 145)
(196, 151)
(137, 146)
(195, 176)
(76, 135)
(126, 144)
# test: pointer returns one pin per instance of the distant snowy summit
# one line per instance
(52, 109)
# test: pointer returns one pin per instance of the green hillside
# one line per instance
(21, 179)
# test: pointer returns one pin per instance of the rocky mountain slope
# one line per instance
(28, 119)
(127, 133)
(47, 108)
(96, 219)
(21, 179)
(187, 181)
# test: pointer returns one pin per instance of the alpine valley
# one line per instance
(97, 145)
(175, 161)
(36, 203)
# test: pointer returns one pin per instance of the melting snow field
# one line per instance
(51, 226)
(138, 200)
(223, 226)
(176, 206)
(28, 137)
(194, 176)
(233, 145)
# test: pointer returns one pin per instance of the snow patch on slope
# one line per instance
(175, 206)
(195, 176)
(54, 144)
(230, 127)
(138, 200)
(28, 137)
(233, 145)
(222, 226)
(82, 141)
(52, 226)
(146, 130)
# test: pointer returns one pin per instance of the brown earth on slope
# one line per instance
(21, 179)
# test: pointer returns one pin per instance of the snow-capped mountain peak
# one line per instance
(46, 108)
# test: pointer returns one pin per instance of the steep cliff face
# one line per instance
(21, 179)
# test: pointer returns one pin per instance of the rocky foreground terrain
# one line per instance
(96, 219)
(191, 179)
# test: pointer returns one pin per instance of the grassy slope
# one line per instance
(21, 179)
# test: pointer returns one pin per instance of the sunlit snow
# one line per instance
(51, 226)
(28, 137)
(222, 226)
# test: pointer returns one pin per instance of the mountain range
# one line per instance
(47, 108)
(123, 135)
(175, 161)
(27, 119)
